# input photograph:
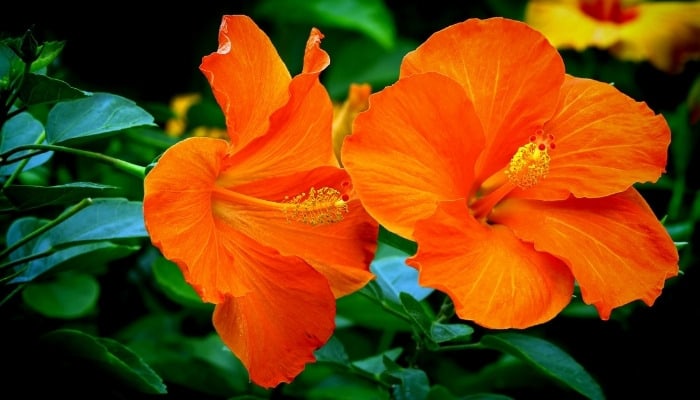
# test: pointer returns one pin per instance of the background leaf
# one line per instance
(92, 117)
(548, 358)
(371, 17)
(107, 355)
(21, 130)
(26, 197)
(69, 296)
(39, 89)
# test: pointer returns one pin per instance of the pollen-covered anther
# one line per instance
(317, 207)
(531, 162)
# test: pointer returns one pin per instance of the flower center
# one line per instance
(528, 166)
(608, 10)
(317, 207)
(531, 162)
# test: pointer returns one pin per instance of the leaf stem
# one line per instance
(64, 216)
(22, 163)
(132, 169)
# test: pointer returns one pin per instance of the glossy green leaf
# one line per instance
(418, 314)
(548, 358)
(82, 256)
(375, 365)
(169, 278)
(107, 355)
(69, 296)
(49, 52)
(39, 89)
(104, 219)
(440, 333)
(10, 64)
(370, 17)
(93, 117)
(389, 238)
(23, 129)
(26, 197)
(413, 384)
(394, 276)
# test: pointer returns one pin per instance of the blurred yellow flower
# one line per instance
(177, 125)
(667, 34)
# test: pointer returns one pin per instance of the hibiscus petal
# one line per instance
(605, 142)
(275, 328)
(493, 278)
(615, 246)
(514, 89)
(178, 215)
(567, 27)
(247, 76)
(415, 145)
(341, 251)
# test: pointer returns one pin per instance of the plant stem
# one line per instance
(22, 163)
(132, 169)
(70, 212)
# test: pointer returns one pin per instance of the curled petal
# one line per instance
(493, 278)
(247, 76)
(615, 246)
(299, 138)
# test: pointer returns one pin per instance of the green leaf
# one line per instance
(417, 313)
(363, 61)
(93, 117)
(49, 51)
(202, 364)
(366, 312)
(333, 352)
(84, 255)
(440, 333)
(104, 219)
(26, 197)
(394, 276)
(21, 130)
(413, 384)
(375, 365)
(69, 296)
(40, 89)
(547, 358)
(396, 241)
(370, 17)
(107, 355)
(10, 64)
(169, 278)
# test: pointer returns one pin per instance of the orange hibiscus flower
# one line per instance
(513, 178)
(665, 33)
(265, 224)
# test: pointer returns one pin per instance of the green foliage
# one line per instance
(548, 358)
(370, 17)
(106, 354)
